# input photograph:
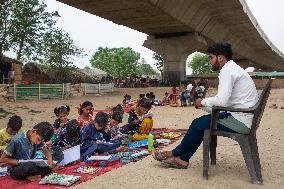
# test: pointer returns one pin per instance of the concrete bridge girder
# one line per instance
(222, 20)
(213, 20)
(175, 51)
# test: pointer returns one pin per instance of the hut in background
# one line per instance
(8, 64)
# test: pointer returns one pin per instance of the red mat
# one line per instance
(8, 183)
(126, 110)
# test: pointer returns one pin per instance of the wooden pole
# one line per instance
(85, 89)
(15, 97)
(99, 88)
(38, 91)
(62, 90)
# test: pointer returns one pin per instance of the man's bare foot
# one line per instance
(33, 178)
(170, 154)
(180, 161)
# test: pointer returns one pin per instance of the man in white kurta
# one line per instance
(236, 89)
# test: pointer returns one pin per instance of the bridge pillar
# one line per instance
(175, 49)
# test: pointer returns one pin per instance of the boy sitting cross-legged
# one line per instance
(23, 147)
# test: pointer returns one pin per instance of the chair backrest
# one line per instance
(260, 106)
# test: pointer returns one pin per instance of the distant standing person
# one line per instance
(10, 76)
(174, 92)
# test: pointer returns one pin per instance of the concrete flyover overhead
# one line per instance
(176, 28)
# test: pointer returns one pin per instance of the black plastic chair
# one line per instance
(247, 142)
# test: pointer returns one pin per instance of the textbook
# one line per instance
(98, 158)
(38, 162)
(3, 171)
(70, 155)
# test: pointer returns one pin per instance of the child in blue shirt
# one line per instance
(96, 137)
(24, 146)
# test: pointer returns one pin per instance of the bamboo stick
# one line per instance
(62, 90)
(38, 91)
(15, 97)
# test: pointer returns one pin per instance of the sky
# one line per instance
(90, 32)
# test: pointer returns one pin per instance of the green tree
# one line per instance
(199, 64)
(5, 25)
(58, 52)
(160, 62)
(29, 22)
(145, 69)
(118, 62)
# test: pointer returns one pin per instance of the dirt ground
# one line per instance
(230, 171)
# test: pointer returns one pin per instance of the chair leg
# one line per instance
(206, 154)
(248, 156)
(256, 160)
(213, 146)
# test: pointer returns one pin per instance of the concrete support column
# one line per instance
(175, 50)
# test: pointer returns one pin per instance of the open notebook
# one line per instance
(70, 155)
(38, 162)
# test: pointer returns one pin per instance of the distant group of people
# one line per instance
(136, 81)
(192, 92)
(151, 97)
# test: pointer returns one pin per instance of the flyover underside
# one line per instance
(218, 20)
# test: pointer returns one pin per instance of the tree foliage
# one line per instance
(23, 23)
(118, 62)
(160, 62)
(28, 30)
(29, 23)
(145, 69)
(57, 51)
(5, 25)
(200, 64)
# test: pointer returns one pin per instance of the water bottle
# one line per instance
(150, 142)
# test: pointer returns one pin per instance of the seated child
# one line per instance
(183, 96)
(127, 101)
(200, 90)
(141, 96)
(155, 102)
(13, 127)
(118, 108)
(115, 120)
(24, 146)
(136, 116)
(166, 99)
(69, 136)
(61, 113)
(95, 138)
(148, 96)
(145, 128)
(85, 112)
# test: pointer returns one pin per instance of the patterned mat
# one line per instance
(8, 183)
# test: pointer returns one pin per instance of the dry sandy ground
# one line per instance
(230, 171)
